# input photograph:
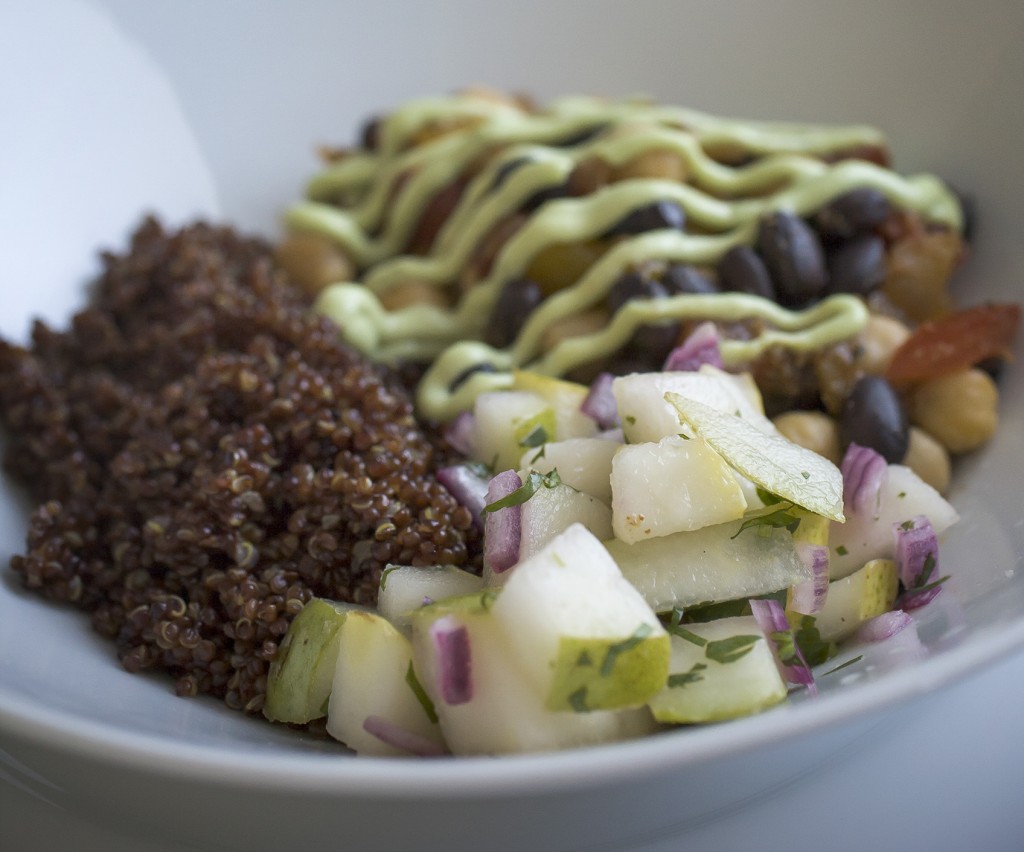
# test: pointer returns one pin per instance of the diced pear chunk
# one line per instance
(404, 588)
(857, 598)
(674, 485)
(503, 421)
(646, 416)
(550, 511)
(578, 630)
(711, 564)
(565, 399)
(505, 713)
(903, 496)
(724, 669)
(373, 680)
(583, 463)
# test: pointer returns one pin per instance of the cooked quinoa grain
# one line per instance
(207, 456)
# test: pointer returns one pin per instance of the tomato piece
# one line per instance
(955, 342)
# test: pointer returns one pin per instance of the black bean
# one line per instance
(794, 257)
(517, 300)
(741, 270)
(633, 285)
(463, 377)
(580, 136)
(873, 416)
(682, 278)
(650, 217)
(854, 212)
(650, 344)
(505, 171)
(857, 266)
(549, 193)
(369, 134)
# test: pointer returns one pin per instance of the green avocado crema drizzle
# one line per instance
(384, 192)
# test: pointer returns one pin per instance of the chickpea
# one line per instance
(589, 175)
(960, 409)
(814, 430)
(312, 261)
(414, 292)
(878, 341)
(574, 325)
(657, 163)
(928, 459)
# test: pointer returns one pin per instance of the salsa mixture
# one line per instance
(542, 426)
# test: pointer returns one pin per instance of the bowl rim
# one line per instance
(479, 776)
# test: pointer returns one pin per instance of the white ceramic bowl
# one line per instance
(190, 109)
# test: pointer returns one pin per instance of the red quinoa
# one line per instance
(207, 456)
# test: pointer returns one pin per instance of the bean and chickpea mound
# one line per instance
(207, 456)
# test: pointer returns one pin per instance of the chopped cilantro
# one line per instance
(683, 633)
(731, 649)
(540, 454)
(683, 678)
(805, 474)
(480, 469)
(631, 420)
(812, 646)
(842, 666)
(526, 490)
(907, 525)
(841, 550)
(536, 437)
(641, 633)
(781, 517)
(384, 574)
(767, 497)
(723, 609)
(421, 695)
(902, 494)
(584, 659)
(578, 700)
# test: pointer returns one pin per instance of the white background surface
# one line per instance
(941, 773)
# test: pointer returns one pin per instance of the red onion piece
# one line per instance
(701, 347)
(401, 738)
(503, 528)
(454, 660)
(808, 597)
(863, 471)
(459, 433)
(917, 557)
(883, 626)
(771, 618)
(467, 487)
(600, 403)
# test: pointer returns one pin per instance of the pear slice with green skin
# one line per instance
(720, 670)
(506, 713)
(372, 679)
(856, 599)
(716, 563)
(404, 588)
(300, 677)
(772, 461)
(582, 635)
(505, 422)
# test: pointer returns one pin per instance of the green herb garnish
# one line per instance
(841, 550)
(578, 700)
(684, 678)
(384, 574)
(420, 693)
(536, 437)
(641, 633)
(731, 649)
(842, 666)
(781, 517)
(525, 491)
